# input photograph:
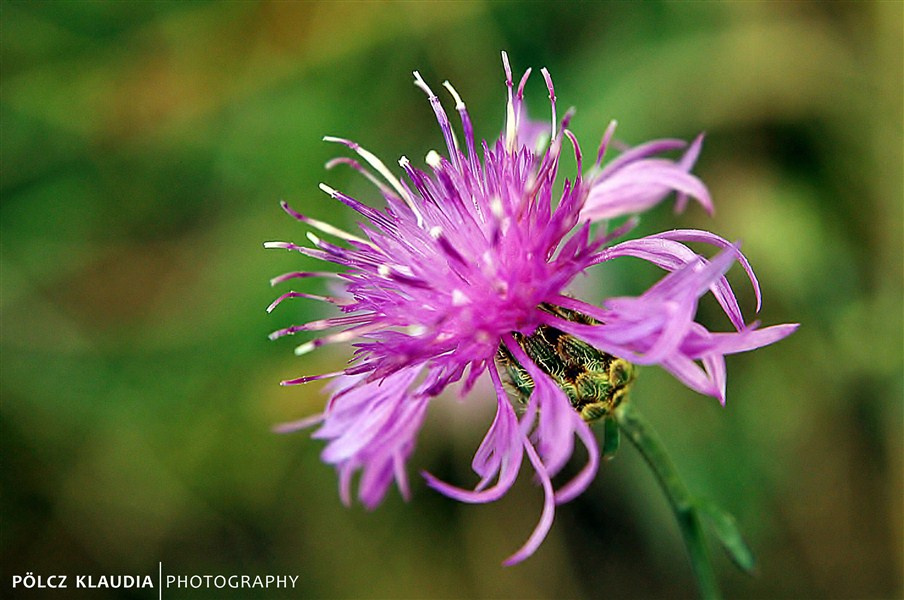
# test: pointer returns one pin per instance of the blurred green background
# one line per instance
(145, 146)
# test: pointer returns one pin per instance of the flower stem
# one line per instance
(642, 435)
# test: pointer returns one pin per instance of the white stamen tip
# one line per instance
(314, 239)
(433, 159)
(459, 104)
(381, 168)
(304, 348)
(276, 302)
(270, 245)
(496, 208)
(327, 189)
(459, 298)
(436, 231)
(416, 330)
(488, 259)
(404, 162)
(419, 82)
(327, 228)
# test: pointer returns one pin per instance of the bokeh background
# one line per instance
(145, 147)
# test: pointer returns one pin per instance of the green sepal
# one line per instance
(726, 529)
(611, 437)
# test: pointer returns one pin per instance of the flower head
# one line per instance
(464, 273)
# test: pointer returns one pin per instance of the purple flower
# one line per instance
(467, 261)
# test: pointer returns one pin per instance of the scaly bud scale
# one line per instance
(594, 381)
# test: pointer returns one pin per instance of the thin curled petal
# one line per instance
(370, 427)
(695, 235)
(582, 480)
(671, 255)
(500, 452)
(554, 428)
(735, 342)
(690, 374)
(546, 517)
(634, 182)
(298, 425)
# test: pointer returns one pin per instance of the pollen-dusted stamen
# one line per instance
(366, 211)
(324, 227)
(276, 245)
(459, 104)
(336, 338)
(275, 335)
(444, 124)
(552, 100)
(303, 274)
(294, 294)
(381, 168)
(468, 130)
(401, 274)
(511, 126)
(519, 96)
(321, 324)
(577, 152)
(310, 378)
(344, 160)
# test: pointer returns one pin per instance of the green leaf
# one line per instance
(726, 529)
(611, 437)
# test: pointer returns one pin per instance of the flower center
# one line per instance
(594, 382)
